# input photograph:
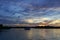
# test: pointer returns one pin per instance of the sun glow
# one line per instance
(35, 20)
(43, 24)
(30, 21)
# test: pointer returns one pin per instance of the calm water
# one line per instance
(33, 34)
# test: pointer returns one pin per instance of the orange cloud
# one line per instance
(54, 22)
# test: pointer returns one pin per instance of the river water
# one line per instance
(33, 34)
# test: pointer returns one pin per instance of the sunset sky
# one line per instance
(29, 11)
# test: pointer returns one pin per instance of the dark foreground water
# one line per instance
(33, 34)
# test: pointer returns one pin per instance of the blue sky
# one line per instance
(18, 11)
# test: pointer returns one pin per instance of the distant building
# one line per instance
(1, 25)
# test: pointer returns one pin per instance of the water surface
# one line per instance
(33, 34)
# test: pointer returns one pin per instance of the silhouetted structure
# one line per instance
(28, 28)
(1, 25)
(4, 27)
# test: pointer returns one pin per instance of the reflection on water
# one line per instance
(33, 34)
